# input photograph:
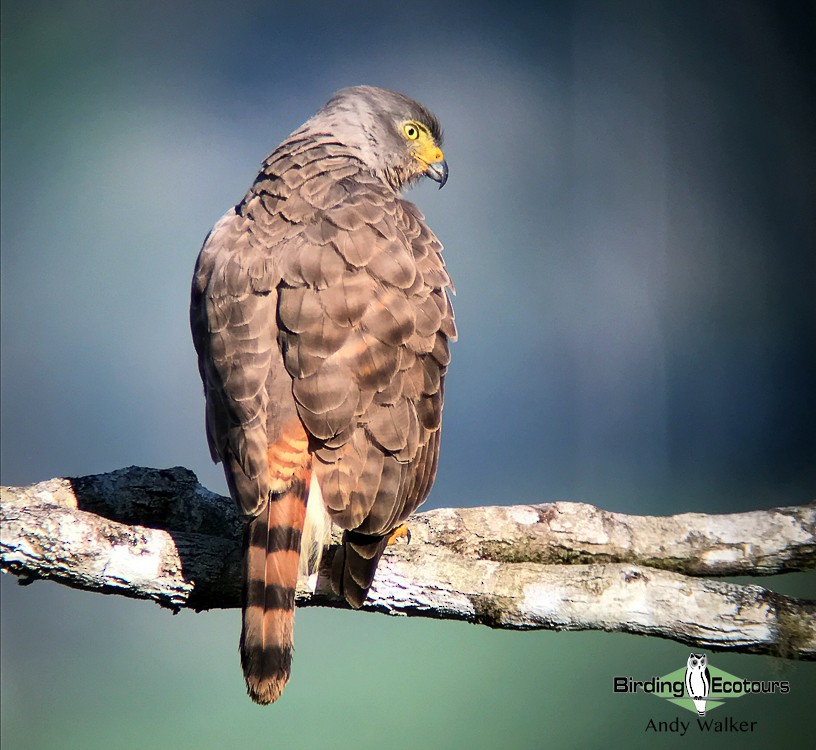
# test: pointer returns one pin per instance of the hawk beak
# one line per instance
(438, 172)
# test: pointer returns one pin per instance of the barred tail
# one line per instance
(271, 549)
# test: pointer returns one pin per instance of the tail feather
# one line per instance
(271, 550)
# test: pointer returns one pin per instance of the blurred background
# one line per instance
(629, 223)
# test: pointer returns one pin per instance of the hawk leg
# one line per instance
(402, 531)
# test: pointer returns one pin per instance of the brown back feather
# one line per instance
(320, 301)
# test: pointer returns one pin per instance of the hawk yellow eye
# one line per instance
(411, 131)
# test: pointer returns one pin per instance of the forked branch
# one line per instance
(159, 535)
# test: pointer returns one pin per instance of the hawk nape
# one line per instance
(321, 319)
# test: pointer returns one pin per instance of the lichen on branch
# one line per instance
(159, 535)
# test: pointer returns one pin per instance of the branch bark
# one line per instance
(159, 535)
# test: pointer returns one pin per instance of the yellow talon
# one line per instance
(401, 531)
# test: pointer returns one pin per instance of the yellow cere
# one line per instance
(425, 148)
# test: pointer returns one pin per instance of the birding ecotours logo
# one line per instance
(700, 687)
(698, 681)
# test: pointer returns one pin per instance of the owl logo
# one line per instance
(698, 681)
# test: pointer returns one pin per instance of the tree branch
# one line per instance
(159, 535)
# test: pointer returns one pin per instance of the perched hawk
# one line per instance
(321, 319)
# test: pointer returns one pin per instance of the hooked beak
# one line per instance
(438, 172)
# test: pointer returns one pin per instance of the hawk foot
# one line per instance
(401, 531)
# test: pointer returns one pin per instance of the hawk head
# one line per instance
(397, 138)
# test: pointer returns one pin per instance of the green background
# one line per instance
(629, 225)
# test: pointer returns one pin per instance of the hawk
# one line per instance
(321, 318)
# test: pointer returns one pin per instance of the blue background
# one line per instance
(629, 223)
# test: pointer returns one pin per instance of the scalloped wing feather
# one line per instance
(324, 295)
